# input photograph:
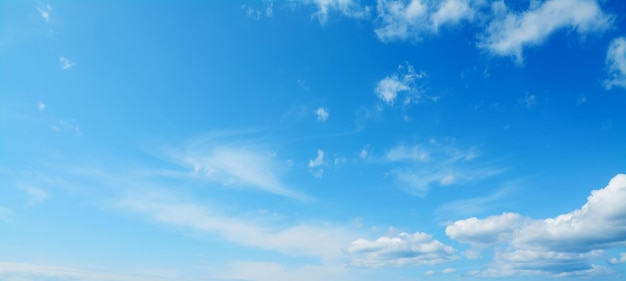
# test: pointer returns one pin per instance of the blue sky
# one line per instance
(313, 140)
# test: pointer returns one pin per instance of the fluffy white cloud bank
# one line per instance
(616, 64)
(566, 244)
(509, 32)
(505, 32)
(405, 249)
(410, 20)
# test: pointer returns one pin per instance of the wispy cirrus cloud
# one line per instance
(14, 271)
(66, 63)
(313, 239)
(235, 165)
(256, 13)
(510, 32)
(45, 11)
(418, 167)
(69, 125)
(35, 195)
(348, 8)
(616, 63)
(566, 245)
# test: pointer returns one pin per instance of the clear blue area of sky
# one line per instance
(252, 140)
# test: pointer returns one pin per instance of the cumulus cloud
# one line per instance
(236, 165)
(405, 249)
(621, 259)
(565, 244)
(410, 20)
(401, 82)
(616, 63)
(322, 114)
(41, 106)
(66, 63)
(510, 32)
(348, 8)
(488, 231)
(448, 270)
(318, 161)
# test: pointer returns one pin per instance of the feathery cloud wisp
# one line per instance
(66, 63)
(616, 63)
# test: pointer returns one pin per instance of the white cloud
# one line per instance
(448, 270)
(363, 154)
(13, 271)
(488, 231)
(429, 273)
(510, 32)
(401, 82)
(472, 206)
(312, 239)
(340, 160)
(348, 8)
(621, 259)
(66, 63)
(401, 153)
(529, 101)
(318, 161)
(256, 13)
(565, 244)
(41, 106)
(70, 125)
(236, 165)
(36, 195)
(416, 168)
(616, 63)
(402, 250)
(45, 11)
(452, 12)
(322, 114)
(402, 20)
